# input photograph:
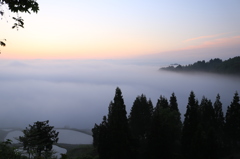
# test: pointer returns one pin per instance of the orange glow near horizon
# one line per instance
(113, 51)
(117, 29)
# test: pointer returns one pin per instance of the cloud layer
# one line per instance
(77, 93)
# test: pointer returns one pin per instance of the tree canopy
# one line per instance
(230, 66)
(38, 138)
(112, 137)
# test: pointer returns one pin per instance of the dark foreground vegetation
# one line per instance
(158, 132)
(148, 132)
(230, 66)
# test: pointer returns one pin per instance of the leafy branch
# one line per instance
(16, 6)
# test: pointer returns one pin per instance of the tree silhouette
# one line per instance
(39, 137)
(190, 125)
(232, 126)
(139, 121)
(118, 128)
(158, 132)
(205, 140)
(219, 126)
(101, 139)
(112, 137)
(230, 66)
(164, 136)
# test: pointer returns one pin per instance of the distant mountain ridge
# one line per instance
(230, 66)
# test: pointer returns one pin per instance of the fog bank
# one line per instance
(76, 93)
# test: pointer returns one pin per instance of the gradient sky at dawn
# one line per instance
(66, 63)
(111, 29)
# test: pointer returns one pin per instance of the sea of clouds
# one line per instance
(77, 93)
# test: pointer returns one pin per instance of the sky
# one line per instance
(67, 61)
(111, 29)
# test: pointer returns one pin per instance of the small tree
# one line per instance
(39, 137)
(8, 151)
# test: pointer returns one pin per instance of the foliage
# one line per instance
(205, 134)
(140, 121)
(190, 124)
(230, 66)
(164, 138)
(119, 133)
(219, 123)
(157, 132)
(112, 137)
(39, 138)
(9, 152)
(101, 138)
(17, 6)
(232, 126)
(140, 117)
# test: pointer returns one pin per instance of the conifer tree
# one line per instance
(101, 139)
(162, 103)
(112, 137)
(104, 143)
(232, 126)
(205, 134)
(173, 103)
(174, 109)
(139, 121)
(119, 133)
(218, 114)
(95, 135)
(140, 117)
(165, 131)
(190, 125)
(219, 126)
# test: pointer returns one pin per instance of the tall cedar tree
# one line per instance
(232, 126)
(139, 121)
(219, 126)
(190, 125)
(112, 137)
(119, 133)
(205, 134)
(165, 131)
(174, 109)
(173, 103)
(101, 139)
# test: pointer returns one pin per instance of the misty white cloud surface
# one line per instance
(76, 93)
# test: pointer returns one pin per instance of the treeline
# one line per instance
(158, 132)
(230, 66)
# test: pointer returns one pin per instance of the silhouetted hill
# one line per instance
(230, 66)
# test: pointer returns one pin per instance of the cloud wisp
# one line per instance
(203, 37)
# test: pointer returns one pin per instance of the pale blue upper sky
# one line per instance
(119, 29)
